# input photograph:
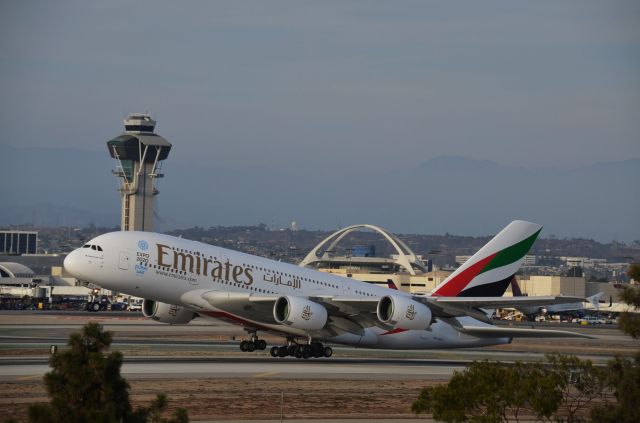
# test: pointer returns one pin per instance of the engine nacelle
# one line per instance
(167, 313)
(300, 313)
(403, 312)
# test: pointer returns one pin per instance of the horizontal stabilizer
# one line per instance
(508, 332)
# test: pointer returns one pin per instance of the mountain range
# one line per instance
(51, 187)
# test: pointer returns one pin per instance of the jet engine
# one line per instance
(299, 313)
(167, 313)
(403, 312)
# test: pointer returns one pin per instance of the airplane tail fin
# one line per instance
(488, 272)
(595, 300)
(515, 288)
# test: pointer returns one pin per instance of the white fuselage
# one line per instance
(178, 271)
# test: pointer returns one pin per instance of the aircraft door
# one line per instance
(346, 288)
(123, 262)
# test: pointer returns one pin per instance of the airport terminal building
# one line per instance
(18, 242)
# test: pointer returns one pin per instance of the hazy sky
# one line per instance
(329, 86)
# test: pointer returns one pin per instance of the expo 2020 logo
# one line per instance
(143, 245)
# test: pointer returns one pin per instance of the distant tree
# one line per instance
(624, 374)
(634, 271)
(85, 385)
(623, 377)
(630, 322)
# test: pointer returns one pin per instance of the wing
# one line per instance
(508, 332)
(345, 314)
(448, 308)
(355, 314)
(473, 306)
(503, 302)
(252, 307)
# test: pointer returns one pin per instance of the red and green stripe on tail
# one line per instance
(489, 272)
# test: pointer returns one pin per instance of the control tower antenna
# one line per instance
(138, 153)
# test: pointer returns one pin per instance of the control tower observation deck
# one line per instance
(138, 153)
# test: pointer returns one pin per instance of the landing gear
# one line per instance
(305, 351)
(94, 306)
(253, 344)
(247, 346)
(311, 349)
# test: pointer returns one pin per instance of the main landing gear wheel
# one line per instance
(305, 351)
(253, 345)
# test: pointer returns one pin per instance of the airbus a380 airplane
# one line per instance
(181, 279)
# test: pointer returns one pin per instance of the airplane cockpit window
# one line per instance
(93, 247)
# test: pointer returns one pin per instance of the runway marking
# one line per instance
(30, 377)
(265, 374)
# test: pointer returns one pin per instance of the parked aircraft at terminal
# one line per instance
(182, 279)
(589, 303)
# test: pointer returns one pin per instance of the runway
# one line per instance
(200, 366)
(209, 349)
(13, 369)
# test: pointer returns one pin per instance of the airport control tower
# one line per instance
(139, 153)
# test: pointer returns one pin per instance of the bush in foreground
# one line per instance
(494, 392)
(564, 389)
(85, 385)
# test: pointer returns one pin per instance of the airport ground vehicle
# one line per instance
(135, 306)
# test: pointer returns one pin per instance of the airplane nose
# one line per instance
(72, 263)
